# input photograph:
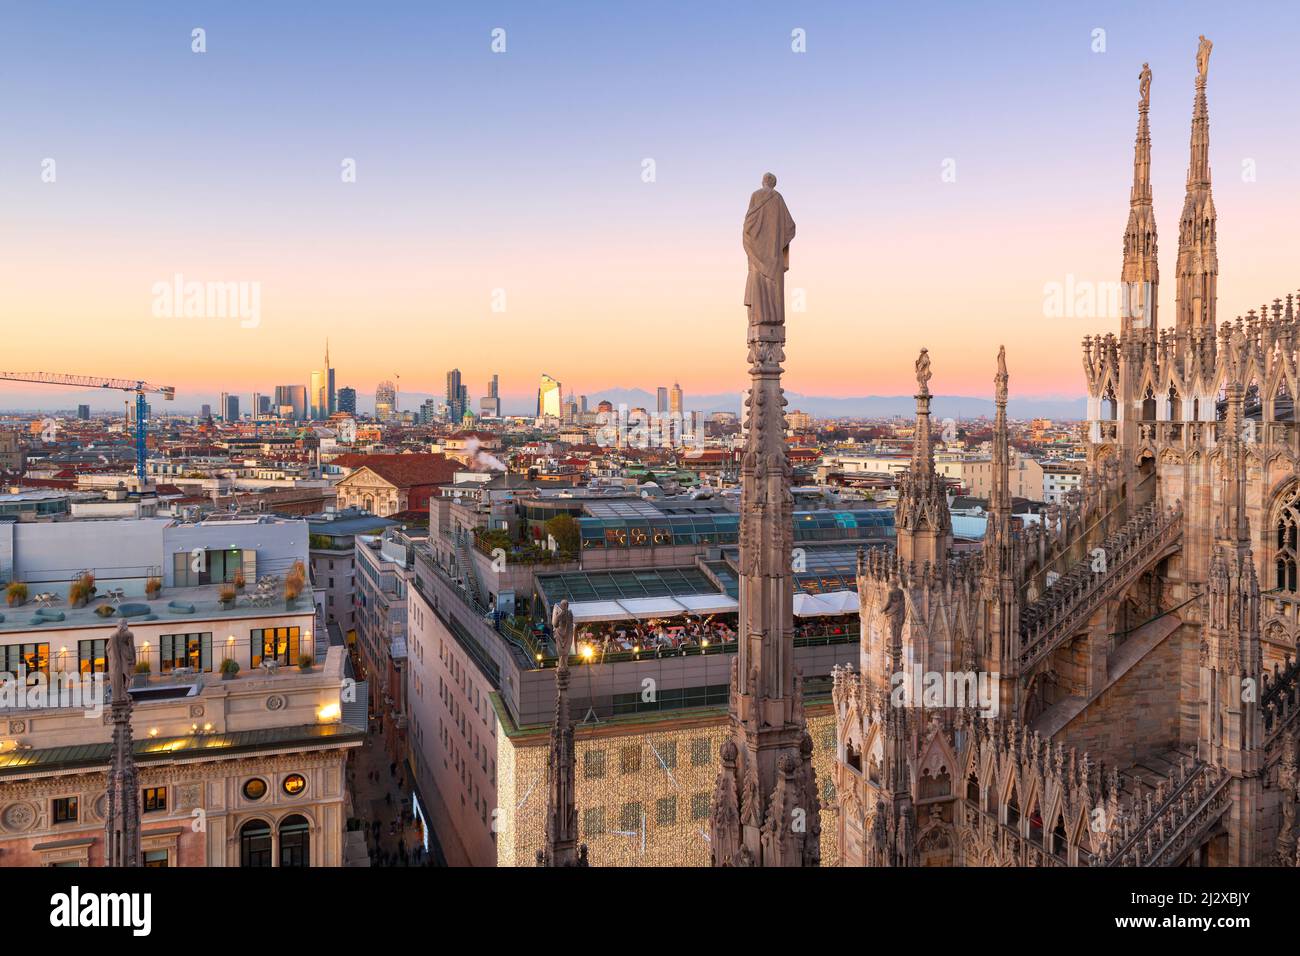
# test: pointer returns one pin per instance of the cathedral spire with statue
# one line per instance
(765, 804)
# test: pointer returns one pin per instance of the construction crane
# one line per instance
(121, 384)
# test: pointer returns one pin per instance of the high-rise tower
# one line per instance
(331, 397)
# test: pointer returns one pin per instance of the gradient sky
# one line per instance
(522, 171)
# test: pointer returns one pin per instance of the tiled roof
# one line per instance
(405, 471)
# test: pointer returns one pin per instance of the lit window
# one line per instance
(65, 810)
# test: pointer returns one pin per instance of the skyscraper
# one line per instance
(457, 397)
(229, 407)
(385, 401)
(675, 400)
(331, 399)
(548, 397)
(319, 395)
(347, 400)
(661, 399)
(490, 407)
(290, 402)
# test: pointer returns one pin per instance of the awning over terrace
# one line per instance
(629, 609)
(826, 605)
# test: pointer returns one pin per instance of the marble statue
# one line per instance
(767, 234)
(121, 662)
(1203, 59)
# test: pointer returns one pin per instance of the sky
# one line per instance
(573, 204)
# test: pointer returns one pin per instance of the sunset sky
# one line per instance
(522, 171)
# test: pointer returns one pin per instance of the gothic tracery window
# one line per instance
(1285, 526)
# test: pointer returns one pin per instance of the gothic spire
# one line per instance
(1000, 498)
(122, 823)
(922, 444)
(922, 517)
(561, 847)
(765, 770)
(1198, 260)
(1141, 272)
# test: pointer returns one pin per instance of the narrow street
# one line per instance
(383, 804)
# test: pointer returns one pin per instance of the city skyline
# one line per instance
(1035, 140)
(747, 437)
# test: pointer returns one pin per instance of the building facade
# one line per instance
(1113, 686)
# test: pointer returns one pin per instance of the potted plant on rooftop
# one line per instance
(152, 587)
(239, 580)
(229, 668)
(305, 662)
(226, 595)
(15, 593)
(142, 671)
(81, 589)
(294, 582)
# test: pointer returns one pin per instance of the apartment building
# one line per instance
(244, 713)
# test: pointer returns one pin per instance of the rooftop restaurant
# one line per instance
(690, 609)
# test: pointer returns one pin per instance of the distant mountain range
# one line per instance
(54, 401)
(865, 406)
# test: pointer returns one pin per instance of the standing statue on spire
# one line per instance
(1000, 379)
(1144, 86)
(923, 371)
(1203, 60)
(767, 234)
(765, 774)
(122, 820)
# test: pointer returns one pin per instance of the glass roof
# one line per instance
(612, 585)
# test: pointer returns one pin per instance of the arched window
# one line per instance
(1109, 406)
(1013, 810)
(295, 841)
(932, 786)
(1283, 403)
(1149, 405)
(1285, 523)
(1059, 841)
(255, 843)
